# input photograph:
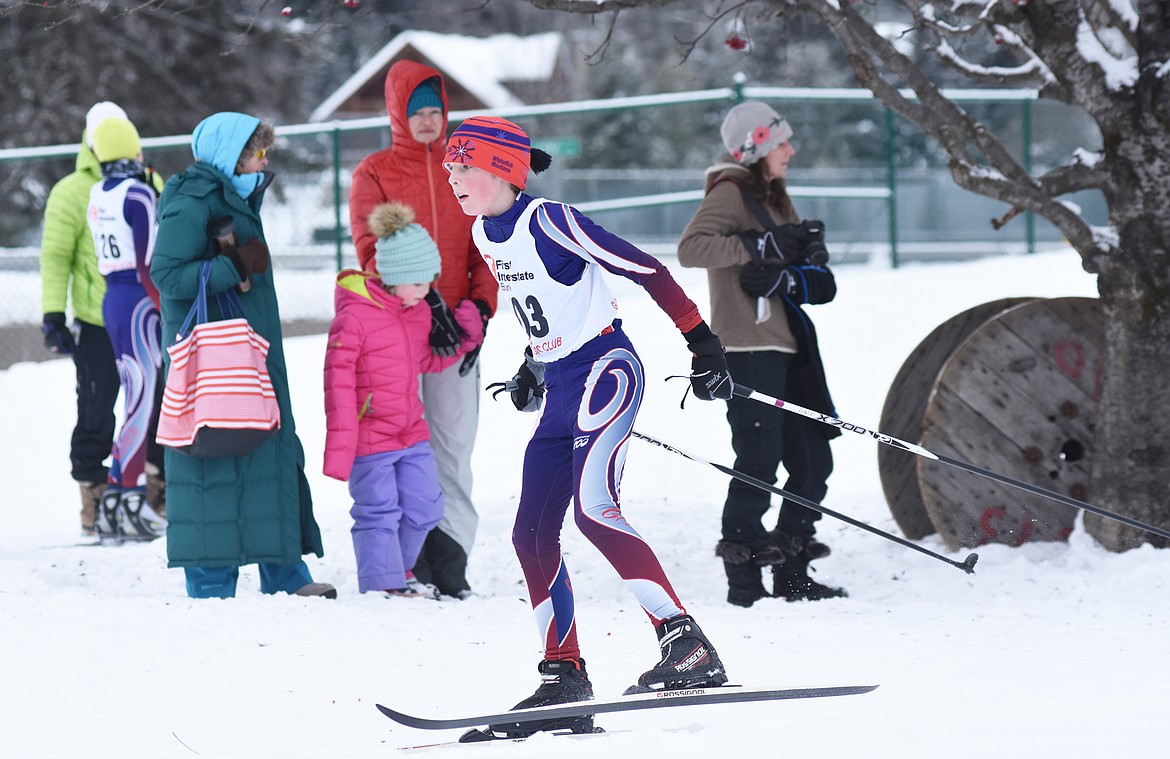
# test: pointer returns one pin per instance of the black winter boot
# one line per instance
(804, 547)
(563, 681)
(792, 583)
(688, 659)
(745, 583)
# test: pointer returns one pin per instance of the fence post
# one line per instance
(892, 186)
(337, 234)
(1026, 129)
(737, 84)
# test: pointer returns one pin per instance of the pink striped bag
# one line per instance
(218, 399)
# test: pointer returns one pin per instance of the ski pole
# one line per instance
(967, 565)
(746, 392)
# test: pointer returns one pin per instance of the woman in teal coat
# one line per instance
(254, 509)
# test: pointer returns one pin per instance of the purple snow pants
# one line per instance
(576, 455)
(396, 502)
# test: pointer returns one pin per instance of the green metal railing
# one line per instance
(738, 92)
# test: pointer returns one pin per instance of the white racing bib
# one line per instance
(558, 318)
(113, 237)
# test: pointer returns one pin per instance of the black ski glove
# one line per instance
(710, 378)
(446, 334)
(469, 360)
(58, 338)
(527, 387)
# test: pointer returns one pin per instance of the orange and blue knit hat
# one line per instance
(495, 145)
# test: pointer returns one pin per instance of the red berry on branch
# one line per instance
(286, 11)
(735, 42)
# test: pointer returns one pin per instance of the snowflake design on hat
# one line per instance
(461, 151)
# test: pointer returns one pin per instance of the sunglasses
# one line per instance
(261, 153)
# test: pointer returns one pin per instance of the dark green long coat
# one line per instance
(229, 511)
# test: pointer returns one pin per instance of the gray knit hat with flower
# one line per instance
(752, 130)
(406, 254)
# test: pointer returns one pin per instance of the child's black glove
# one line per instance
(527, 387)
(710, 378)
(446, 334)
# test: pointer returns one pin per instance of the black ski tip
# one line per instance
(968, 564)
(386, 712)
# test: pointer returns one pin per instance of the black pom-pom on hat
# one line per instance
(539, 160)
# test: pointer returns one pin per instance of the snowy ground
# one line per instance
(1054, 650)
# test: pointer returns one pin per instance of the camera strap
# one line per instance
(751, 202)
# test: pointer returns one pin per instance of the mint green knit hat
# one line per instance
(405, 253)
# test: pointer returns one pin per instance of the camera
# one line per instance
(798, 244)
(803, 242)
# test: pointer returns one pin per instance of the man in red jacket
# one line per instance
(411, 171)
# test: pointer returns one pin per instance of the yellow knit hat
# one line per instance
(115, 138)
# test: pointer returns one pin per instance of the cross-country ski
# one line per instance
(635, 702)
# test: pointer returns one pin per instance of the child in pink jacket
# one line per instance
(376, 436)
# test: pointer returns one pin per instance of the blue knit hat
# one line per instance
(426, 95)
(406, 254)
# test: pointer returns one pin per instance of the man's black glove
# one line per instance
(485, 313)
(446, 334)
(527, 387)
(58, 338)
(710, 378)
(761, 279)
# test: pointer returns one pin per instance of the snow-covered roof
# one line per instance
(478, 64)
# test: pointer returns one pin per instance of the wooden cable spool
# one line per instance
(1018, 397)
(905, 409)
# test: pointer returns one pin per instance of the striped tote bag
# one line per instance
(218, 400)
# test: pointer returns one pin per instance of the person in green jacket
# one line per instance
(226, 512)
(69, 272)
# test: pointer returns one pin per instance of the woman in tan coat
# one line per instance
(763, 263)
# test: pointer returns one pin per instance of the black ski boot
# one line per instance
(106, 523)
(136, 519)
(688, 659)
(792, 583)
(563, 681)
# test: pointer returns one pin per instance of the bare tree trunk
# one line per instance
(1131, 473)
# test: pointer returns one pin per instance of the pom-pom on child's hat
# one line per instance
(752, 130)
(406, 254)
(98, 113)
(426, 95)
(497, 146)
(115, 138)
